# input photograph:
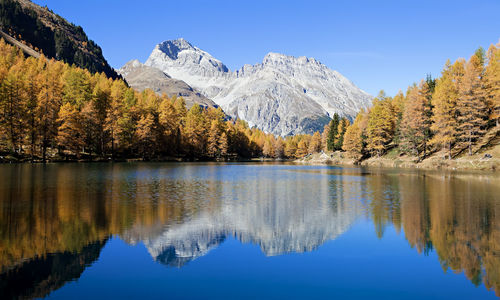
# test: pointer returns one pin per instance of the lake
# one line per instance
(247, 231)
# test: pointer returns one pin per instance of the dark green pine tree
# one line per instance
(431, 83)
(334, 125)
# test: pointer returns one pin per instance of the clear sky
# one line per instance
(376, 44)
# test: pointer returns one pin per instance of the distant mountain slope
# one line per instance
(45, 31)
(141, 77)
(284, 94)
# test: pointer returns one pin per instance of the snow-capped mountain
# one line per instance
(141, 77)
(283, 94)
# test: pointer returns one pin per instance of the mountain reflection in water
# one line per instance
(55, 219)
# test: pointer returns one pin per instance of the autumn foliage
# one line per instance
(451, 113)
(51, 110)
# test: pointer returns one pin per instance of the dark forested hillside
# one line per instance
(46, 32)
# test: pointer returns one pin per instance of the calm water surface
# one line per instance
(145, 230)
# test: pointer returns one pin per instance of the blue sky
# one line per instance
(376, 44)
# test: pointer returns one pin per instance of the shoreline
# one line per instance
(27, 160)
(473, 163)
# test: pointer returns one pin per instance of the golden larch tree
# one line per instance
(380, 127)
(195, 130)
(70, 134)
(145, 135)
(416, 120)
(471, 106)
(491, 83)
(302, 148)
(315, 144)
(49, 102)
(353, 139)
(444, 118)
(214, 139)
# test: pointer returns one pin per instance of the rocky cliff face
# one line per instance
(141, 77)
(283, 94)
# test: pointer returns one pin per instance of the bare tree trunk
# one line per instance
(449, 151)
(470, 145)
(11, 121)
(102, 143)
(33, 137)
(112, 144)
(425, 149)
(44, 151)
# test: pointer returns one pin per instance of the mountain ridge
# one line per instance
(283, 94)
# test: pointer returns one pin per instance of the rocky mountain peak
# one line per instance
(181, 60)
(283, 95)
(130, 66)
(172, 47)
(134, 63)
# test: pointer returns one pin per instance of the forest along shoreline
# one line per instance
(479, 162)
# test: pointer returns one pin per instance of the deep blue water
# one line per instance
(247, 231)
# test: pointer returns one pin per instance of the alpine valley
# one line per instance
(283, 95)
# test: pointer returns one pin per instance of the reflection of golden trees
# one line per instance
(458, 216)
(384, 206)
(32, 228)
(465, 226)
(415, 209)
(49, 209)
